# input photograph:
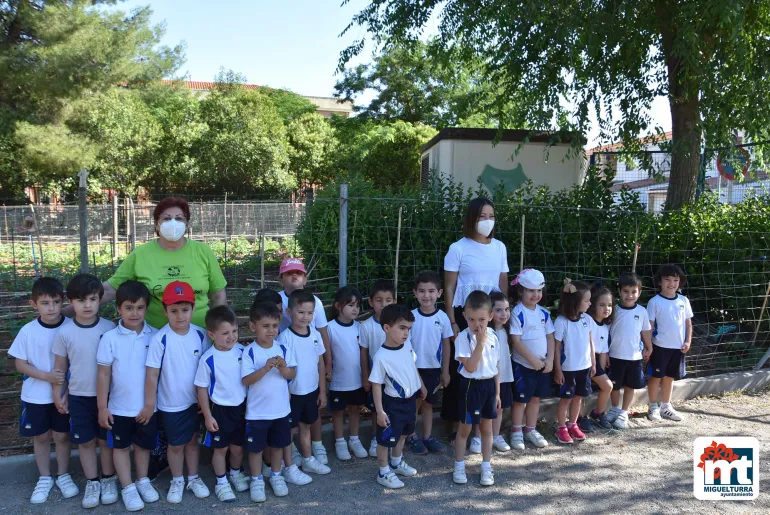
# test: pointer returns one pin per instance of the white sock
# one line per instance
(665, 405)
(274, 474)
(47, 477)
(317, 444)
(342, 440)
(234, 472)
(179, 479)
(254, 479)
(222, 480)
(142, 480)
(622, 412)
(485, 465)
(396, 460)
(353, 438)
(306, 460)
(384, 471)
(192, 478)
(653, 404)
(459, 465)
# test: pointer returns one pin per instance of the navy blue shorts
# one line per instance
(339, 400)
(304, 409)
(402, 416)
(626, 373)
(84, 420)
(431, 378)
(126, 431)
(38, 419)
(180, 426)
(506, 395)
(666, 363)
(599, 370)
(528, 383)
(232, 426)
(577, 383)
(263, 433)
(478, 399)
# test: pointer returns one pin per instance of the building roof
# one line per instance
(522, 135)
(619, 145)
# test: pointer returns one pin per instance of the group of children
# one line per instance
(88, 380)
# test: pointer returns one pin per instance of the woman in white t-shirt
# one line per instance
(475, 262)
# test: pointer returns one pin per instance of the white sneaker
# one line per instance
(66, 486)
(403, 469)
(357, 448)
(257, 490)
(612, 414)
(653, 413)
(373, 448)
(175, 492)
(475, 446)
(487, 478)
(147, 491)
(319, 452)
(341, 450)
(42, 489)
(296, 457)
(240, 481)
(224, 492)
(459, 477)
(535, 438)
(199, 488)
(500, 444)
(390, 480)
(293, 475)
(311, 464)
(131, 499)
(517, 440)
(622, 421)
(278, 484)
(670, 413)
(110, 490)
(91, 497)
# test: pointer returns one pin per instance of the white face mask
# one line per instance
(484, 227)
(173, 230)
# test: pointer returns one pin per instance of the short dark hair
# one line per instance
(83, 285)
(345, 296)
(268, 295)
(132, 291)
(477, 299)
(219, 314)
(472, 215)
(261, 309)
(670, 270)
(428, 276)
(596, 293)
(381, 285)
(629, 279)
(300, 297)
(49, 286)
(394, 313)
(569, 303)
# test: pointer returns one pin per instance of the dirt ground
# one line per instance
(645, 469)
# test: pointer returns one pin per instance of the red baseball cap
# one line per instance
(178, 291)
(292, 264)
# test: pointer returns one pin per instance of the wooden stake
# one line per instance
(756, 331)
(398, 246)
(262, 257)
(521, 249)
(637, 246)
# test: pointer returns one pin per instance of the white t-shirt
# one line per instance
(268, 398)
(126, 352)
(79, 343)
(220, 372)
(34, 343)
(372, 337)
(427, 336)
(395, 368)
(626, 332)
(668, 317)
(504, 364)
(177, 357)
(576, 342)
(535, 325)
(601, 336)
(319, 315)
(306, 350)
(346, 356)
(478, 266)
(465, 343)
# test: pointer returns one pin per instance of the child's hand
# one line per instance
(55, 377)
(686, 347)
(445, 380)
(62, 404)
(499, 404)
(646, 353)
(593, 370)
(145, 415)
(321, 402)
(558, 377)
(211, 424)
(548, 367)
(270, 364)
(423, 392)
(538, 364)
(382, 419)
(481, 336)
(280, 362)
(367, 386)
(328, 377)
(105, 418)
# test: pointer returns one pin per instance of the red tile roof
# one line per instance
(197, 85)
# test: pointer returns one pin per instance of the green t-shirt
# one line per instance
(156, 267)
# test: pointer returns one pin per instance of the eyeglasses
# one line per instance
(169, 218)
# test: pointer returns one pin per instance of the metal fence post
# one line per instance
(343, 235)
(83, 214)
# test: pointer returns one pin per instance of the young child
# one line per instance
(396, 384)
(346, 389)
(222, 399)
(121, 356)
(671, 317)
(75, 348)
(293, 276)
(382, 294)
(40, 420)
(630, 343)
(533, 348)
(430, 340)
(172, 362)
(601, 314)
(308, 388)
(265, 370)
(478, 352)
(501, 323)
(574, 358)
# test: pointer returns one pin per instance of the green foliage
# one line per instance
(314, 148)
(290, 105)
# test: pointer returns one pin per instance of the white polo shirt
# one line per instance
(575, 337)
(504, 364)
(79, 343)
(34, 343)
(535, 325)
(126, 352)
(395, 368)
(346, 356)
(177, 357)
(465, 343)
(372, 337)
(319, 314)
(427, 335)
(220, 372)
(668, 317)
(626, 332)
(601, 336)
(268, 398)
(478, 266)
(306, 350)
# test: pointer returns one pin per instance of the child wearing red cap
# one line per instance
(172, 362)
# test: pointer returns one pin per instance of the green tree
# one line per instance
(290, 105)
(313, 149)
(561, 60)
